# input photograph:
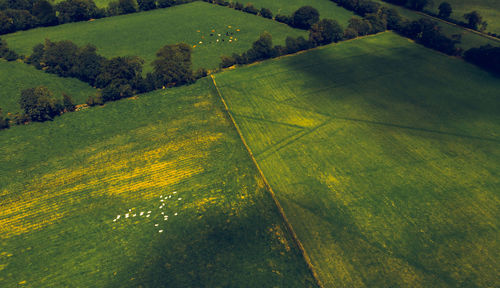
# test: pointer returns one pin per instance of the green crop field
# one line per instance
(385, 156)
(489, 9)
(469, 39)
(154, 191)
(142, 34)
(326, 8)
(16, 76)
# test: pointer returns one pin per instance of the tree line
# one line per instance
(473, 19)
(18, 15)
(115, 78)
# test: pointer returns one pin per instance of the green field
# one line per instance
(16, 76)
(142, 34)
(469, 39)
(489, 9)
(326, 8)
(99, 3)
(385, 156)
(64, 182)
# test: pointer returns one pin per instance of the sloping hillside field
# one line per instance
(213, 29)
(385, 156)
(149, 192)
(16, 77)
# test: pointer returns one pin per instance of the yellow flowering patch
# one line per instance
(113, 169)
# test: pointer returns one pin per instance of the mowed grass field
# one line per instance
(326, 8)
(17, 76)
(489, 9)
(385, 156)
(468, 40)
(142, 34)
(149, 192)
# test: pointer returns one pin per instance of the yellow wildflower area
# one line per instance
(123, 170)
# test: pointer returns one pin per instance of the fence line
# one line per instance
(271, 191)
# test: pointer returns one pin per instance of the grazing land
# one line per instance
(16, 76)
(142, 34)
(98, 3)
(468, 39)
(489, 9)
(326, 8)
(192, 210)
(385, 156)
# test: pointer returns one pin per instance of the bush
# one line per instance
(325, 32)
(238, 6)
(38, 104)
(227, 61)
(305, 17)
(249, 8)
(94, 100)
(350, 33)
(283, 19)
(146, 5)
(76, 10)
(67, 103)
(487, 57)
(173, 65)
(266, 13)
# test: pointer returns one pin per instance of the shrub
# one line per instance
(325, 32)
(305, 17)
(249, 8)
(266, 13)
(38, 104)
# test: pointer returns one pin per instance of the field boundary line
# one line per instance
(271, 191)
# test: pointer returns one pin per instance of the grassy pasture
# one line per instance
(469, 39)
(98, 3)
(64, 182)
(489, 9)
(385, 156)
(142, 34)
(16, 76)
(327, 8)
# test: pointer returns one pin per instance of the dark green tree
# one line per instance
(172, 66)
(76, 10)
(445, 10)
(146, 5)
(38, 104)
(44, 12)
(120, 70)
(305, 17)
(378, 23)
(58, 57)
(361, 26)
(266, 13)
(474, 19)
(87, 64)
(262, 48)
(325, 32)
(67, 103)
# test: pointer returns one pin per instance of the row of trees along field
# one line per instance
(116, 78)
(38, 104)
(18, 15)
(473, 19)
(426, 32)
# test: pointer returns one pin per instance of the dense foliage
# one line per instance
(38, 104)
(487, 57)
